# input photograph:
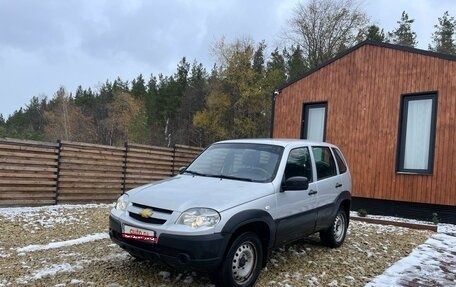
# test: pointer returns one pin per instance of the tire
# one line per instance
(242, 264)
(334, 236)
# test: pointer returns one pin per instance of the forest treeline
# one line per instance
(195, 105)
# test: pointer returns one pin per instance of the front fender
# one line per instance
(247, 217)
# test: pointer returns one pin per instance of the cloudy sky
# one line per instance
(51, 43)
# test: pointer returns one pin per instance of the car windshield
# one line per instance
(239, 161)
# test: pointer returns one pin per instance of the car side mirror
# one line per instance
(296, 183)
(182, 169)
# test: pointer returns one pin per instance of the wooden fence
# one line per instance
(40, 173)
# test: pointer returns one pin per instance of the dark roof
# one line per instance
(373, 43)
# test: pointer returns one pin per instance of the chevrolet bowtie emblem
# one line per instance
(146, 212)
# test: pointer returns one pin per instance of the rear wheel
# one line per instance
(242, 264)
(334, 236)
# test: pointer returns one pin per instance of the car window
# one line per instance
(340, 162)
(324, 162)
(299, 163)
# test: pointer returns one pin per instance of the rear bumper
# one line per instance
(202, 252)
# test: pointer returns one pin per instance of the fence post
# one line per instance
(174, 159)
(124, 172)
(57, 180)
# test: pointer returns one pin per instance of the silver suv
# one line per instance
(236, 202)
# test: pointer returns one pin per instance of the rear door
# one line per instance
(329, 184)
(296, 211)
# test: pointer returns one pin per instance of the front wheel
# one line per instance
(242, 264)
(334, 236)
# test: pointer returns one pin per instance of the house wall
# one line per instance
(363, 90)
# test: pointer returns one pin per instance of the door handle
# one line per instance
(312, 192)
(338, 185)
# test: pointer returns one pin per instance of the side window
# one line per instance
(340, 162)
(324, 161)
(299, 163)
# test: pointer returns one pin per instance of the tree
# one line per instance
(85, 100)
(324, 28)
(403, 35)
(258, 58)
(64, 120)
(2, 126)
(444, 36)
(374, 33)
(27, 123)
(138, 87)
(296, 63)
(122, 113)
(238, 103)
(164, 102)
(192, 101)
(276, 71)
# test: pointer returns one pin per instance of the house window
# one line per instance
(417, 133)
(314, 121)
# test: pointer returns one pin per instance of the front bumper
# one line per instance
(201, 252)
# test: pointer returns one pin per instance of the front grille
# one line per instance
(147, 220)
(155, 209)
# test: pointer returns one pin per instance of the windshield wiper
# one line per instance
(194, 172)
(231, 177)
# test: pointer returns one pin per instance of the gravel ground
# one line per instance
(69, 246)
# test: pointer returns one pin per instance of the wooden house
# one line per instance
(392, 111)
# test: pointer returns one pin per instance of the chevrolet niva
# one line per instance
(236, 202)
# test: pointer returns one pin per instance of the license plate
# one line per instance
(132, 232)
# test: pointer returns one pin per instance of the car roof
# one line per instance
(279, 142)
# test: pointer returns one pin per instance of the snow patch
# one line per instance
(76, 282)
(48, 271)
(164, 274)
(449, 229)
(12, 212)
(53, 245)
(4, 282)
(433, 260)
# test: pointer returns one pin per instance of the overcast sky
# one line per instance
(51, 43)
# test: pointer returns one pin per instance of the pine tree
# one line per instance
(296, 63)
(444, 36)
(276, 69)
(138, 87)
(258, 58)
(403, 35)
(374, 33)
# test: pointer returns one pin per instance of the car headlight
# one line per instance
(199, 217)
(122, 202)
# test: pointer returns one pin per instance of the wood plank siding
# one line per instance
(363, 89)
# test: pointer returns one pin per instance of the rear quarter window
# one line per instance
(340, 162)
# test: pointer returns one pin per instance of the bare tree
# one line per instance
(324, 28)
